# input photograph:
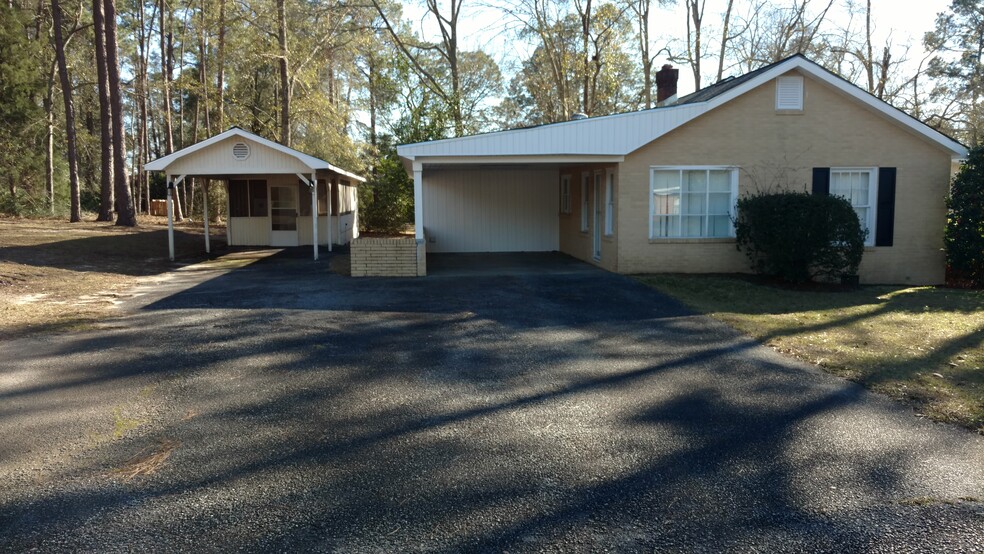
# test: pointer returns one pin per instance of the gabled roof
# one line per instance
(621, 134)
(161, 164)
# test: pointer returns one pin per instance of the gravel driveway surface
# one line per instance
(281, 408)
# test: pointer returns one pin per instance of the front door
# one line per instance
(596, 224)
(283, 215)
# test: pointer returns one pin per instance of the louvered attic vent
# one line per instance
(240, 151)
(789, 93)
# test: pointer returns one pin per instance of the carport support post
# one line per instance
(208, 249)
(418, 201)
(170, 219)
(313, 184)
(328, 185)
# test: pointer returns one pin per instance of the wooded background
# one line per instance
(90, 91)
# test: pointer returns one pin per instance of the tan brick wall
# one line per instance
(575, 242)
(778, 149)
(386, 257)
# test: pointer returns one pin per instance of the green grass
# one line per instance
(923, 345)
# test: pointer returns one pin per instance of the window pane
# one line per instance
(238, 198)
(666, 226)
(862, 217)
(693, 226)
(860, 192)
(719, 203)
(720, 181)
(695, 181)
(694, 203)
(666, 182)
(304, 199)
(322, 197)
(719, 226)
(258, 199)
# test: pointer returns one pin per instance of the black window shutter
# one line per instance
(821, 181)
(885, 225)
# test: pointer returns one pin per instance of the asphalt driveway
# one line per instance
(279, 407)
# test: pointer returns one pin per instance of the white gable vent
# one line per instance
(789, 93)
(240, 151)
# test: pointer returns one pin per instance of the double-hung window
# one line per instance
(692, 202)
(859, 187)
(565, 194)
(585, 182)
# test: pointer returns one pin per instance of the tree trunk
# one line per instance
(203, 75)
(724, 40)
(642, 16)
(66, 84)
(124, 202)
(285, 91)
(167, 70)
(167, 50)
(105, 118)
(695, 16)
(585, 41)
(49, 145)
(220, 70)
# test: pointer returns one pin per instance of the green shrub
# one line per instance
(798, 237)
(964, 237)
(386, 200)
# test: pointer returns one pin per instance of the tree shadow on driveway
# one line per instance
(537, 412)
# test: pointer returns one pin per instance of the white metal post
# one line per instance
(208, 248)
(418, 201)
(314, 213)
(170, 218)
(328, 185)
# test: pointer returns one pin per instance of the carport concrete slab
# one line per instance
(504, 263)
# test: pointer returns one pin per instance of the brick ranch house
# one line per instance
(654, 190)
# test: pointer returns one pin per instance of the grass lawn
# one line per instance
(60, 276)
(923, 345)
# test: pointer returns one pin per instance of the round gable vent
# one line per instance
(240, 151)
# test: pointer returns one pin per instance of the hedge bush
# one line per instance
(964, 237)
(798, 237)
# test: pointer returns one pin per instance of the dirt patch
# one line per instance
(60, 276)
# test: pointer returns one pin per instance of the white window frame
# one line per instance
(872, 197)
(585, 206)
(565, 194)
(731, 210)
(609, 203)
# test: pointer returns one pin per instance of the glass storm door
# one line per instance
(283, 215)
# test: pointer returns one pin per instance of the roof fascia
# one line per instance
(420, 161)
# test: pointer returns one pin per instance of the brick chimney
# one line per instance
(666, 83)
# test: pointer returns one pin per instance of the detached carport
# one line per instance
(278, 196)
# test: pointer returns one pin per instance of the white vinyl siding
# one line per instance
(692, 202)
(218, 159)
(491, 210)
(585, 182)
(789, 93)
(248, 231)
(565, 194)
(610, 204)
(859, 186)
